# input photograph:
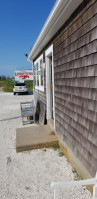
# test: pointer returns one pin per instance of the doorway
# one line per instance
(50, 83)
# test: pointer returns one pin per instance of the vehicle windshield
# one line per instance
(20, 84)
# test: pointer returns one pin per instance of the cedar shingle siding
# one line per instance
(75, 77)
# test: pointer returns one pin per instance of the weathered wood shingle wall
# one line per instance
(75, 74)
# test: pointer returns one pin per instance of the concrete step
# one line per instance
(35, 137)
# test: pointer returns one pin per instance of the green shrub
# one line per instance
(8, 85)
(29, 84)
(1, 83)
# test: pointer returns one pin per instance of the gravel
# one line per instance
(29, 174)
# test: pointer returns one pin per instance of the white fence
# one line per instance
(57, 186)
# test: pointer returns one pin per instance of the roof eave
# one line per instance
(61, 11)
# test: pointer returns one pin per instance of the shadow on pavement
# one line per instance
(29, 93)
(13, 118)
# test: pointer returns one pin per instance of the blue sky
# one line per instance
(20, 24)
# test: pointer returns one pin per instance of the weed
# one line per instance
(76, 175)
(56, 147)
(44, 150)
(61, 154)
(37, 122)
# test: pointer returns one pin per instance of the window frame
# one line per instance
(40, 87)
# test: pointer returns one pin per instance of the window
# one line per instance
(36, 75)
(39, 73)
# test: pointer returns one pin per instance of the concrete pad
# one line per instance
(34, 137)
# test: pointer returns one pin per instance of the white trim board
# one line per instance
(39, 58)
